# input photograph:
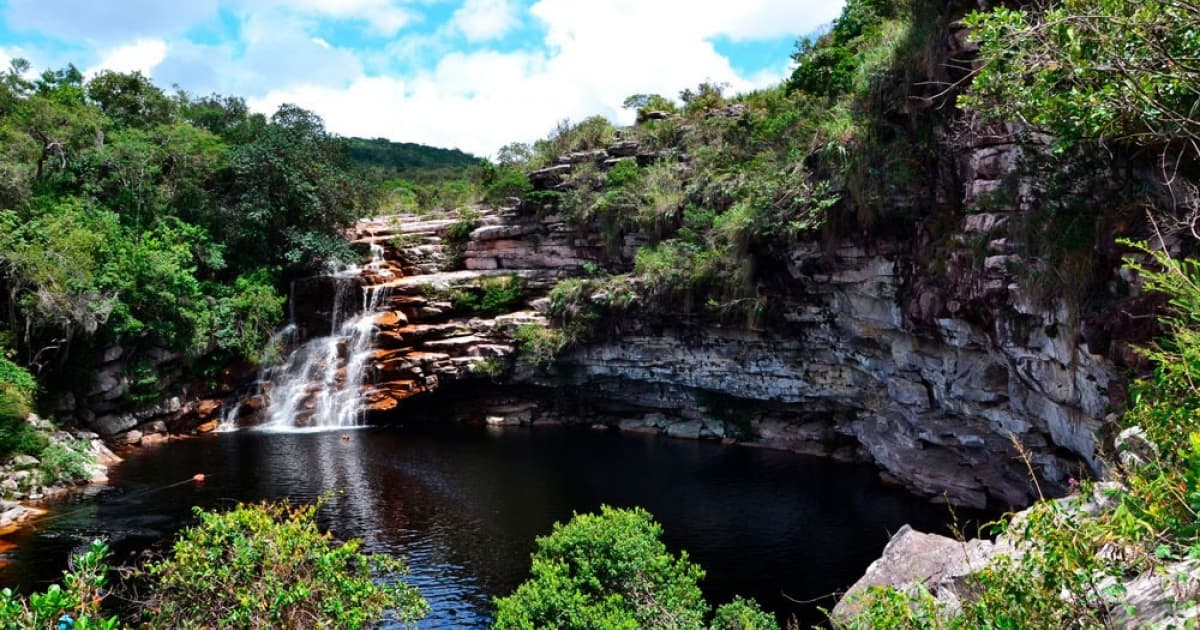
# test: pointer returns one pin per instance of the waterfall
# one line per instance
(320, 384)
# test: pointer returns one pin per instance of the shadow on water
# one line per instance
(465, 504)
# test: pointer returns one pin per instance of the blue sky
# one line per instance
(472, 74)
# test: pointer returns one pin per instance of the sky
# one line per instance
(467, 74)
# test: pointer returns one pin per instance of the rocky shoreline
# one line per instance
(915, 562)
(26, 486)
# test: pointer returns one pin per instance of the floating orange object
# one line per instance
(198, 477)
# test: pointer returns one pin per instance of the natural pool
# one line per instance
(464, 504)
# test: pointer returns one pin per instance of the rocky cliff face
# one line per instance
(935, 377)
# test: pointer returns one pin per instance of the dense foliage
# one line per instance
(17, 388)
(1111, 70)
(269, 566)
(407, 157)
(127, 214)
(255, 566)
(611, 571)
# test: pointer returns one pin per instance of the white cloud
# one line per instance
(142, 56)
(484, 20)
(7, 54)
(596, 54)
(384, 17)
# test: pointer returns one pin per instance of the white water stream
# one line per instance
(320, 384)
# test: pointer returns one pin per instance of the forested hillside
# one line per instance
(409, 158)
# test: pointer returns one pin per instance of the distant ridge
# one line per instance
(407, 156)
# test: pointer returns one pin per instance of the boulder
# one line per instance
(110, 425)
(22, 462)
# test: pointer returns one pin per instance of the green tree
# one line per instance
(293, 193)
(130, 99)
(610, 570)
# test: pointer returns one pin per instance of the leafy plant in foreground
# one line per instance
(77, 599)
(270, 566)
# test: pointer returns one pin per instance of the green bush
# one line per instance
(78, 597)
(594, 132)
(501, 295)
(17, 388)
(269, 566)
(503, 182)
(610, 570)
(1085, 70)
(493, 296)
(645, 104)
(607, 570)
(743, 614)
(541, 345)
(63, 464)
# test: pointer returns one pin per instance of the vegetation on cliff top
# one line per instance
(723, 186)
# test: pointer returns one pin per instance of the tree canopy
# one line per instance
(130, 214)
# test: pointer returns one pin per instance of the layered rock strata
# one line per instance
(934, 399)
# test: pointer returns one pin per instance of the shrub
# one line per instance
(743, 614)
(593, 132)
(17, 387)
(501, 183)
(493, 296)
(644, 104)
(541, 345)
(611, 570)
(607, 570)
(269, 566)
(489, 368)
(63, 463)
(706, 96)
(501, 295)
(457, 235)
(78, 598)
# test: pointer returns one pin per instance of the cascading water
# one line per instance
(319, 386)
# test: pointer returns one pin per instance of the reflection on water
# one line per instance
(464, 504)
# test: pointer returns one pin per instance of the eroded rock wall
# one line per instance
(914, 378)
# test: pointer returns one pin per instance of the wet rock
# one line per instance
(112, 353)
(164, 407)
(110, 425)
(128, 438)
(205, 409)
